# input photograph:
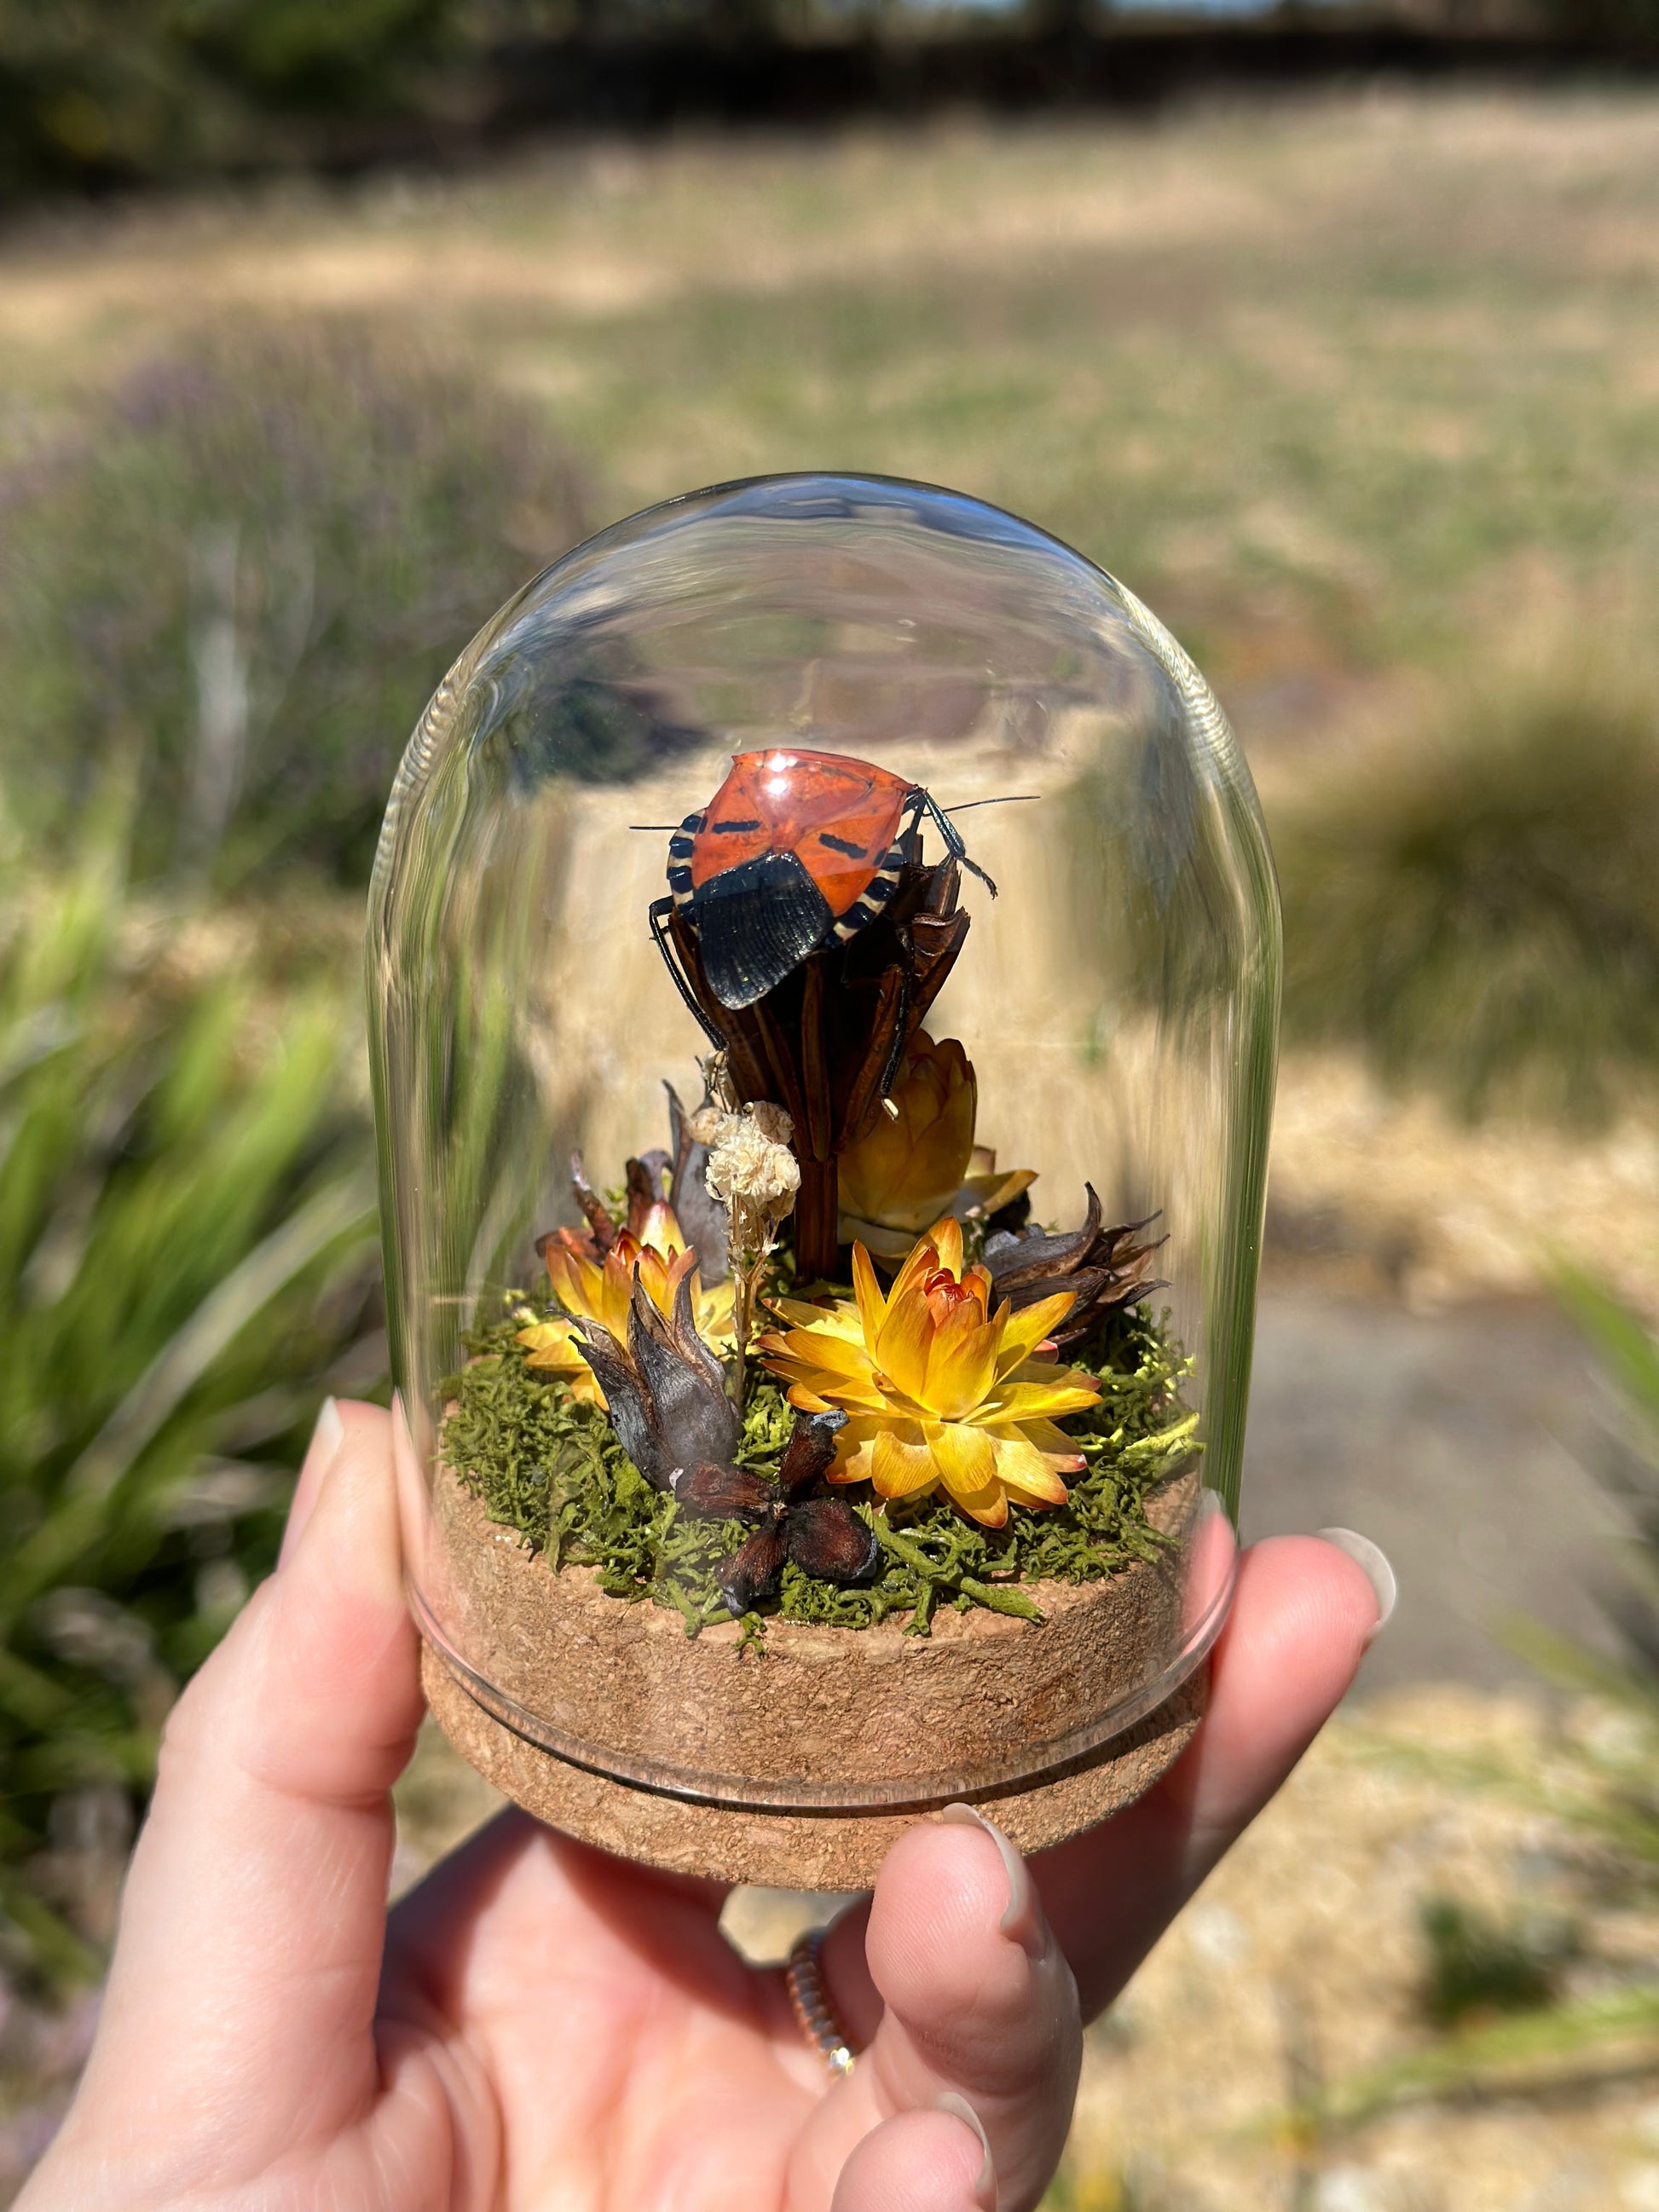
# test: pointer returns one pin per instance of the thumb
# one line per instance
(980, 2022)
(246, 1968)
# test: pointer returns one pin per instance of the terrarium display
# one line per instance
(822, 978)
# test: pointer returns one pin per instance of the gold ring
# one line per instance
(816, 2015)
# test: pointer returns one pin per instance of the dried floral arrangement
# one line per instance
(813, 1360)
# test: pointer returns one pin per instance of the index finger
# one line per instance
(1301, 1619)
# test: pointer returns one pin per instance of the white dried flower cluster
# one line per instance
(750, 1166)
(753, 1173)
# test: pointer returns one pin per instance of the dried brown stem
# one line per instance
(825, 1043)
(817, 1241)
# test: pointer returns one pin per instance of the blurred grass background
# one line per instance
(1361, 394)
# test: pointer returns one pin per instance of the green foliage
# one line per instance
(96, 91)
(1077, 2188)
(101, 92)
(553, 1470)
(1629, 1351)
(1607, 1793)
(1506, 2057)
(249, 568)
(316, 55)
(185, 1217)
(1477, 1965)
(1483, 916)
(1630, 25)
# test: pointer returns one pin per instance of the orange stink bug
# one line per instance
(795, 850)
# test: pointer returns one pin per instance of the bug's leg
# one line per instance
(658, 912)
(927, 803)
(901, 1037)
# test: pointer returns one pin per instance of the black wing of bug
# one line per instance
(756, 923)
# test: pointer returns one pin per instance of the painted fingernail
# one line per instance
(1373, 1562)
(985, 2189)
(323, 1450)
(1023, 1921)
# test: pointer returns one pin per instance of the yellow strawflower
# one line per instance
(939, 1391)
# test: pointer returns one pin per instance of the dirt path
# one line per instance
(1457, 1440)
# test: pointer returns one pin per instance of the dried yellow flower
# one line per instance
(939, 1391)
(919, 1160)
(602, 1290)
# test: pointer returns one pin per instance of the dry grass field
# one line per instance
(1345, 390)
(1362, 395)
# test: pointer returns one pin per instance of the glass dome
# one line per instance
(822, 973)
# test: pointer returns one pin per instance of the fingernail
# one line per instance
(329, 1434)
(1373, 1562)
(321, 1452)
(985, 2189)
(1023, 1921)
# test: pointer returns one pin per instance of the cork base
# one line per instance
(838, 1850)
(867, 1712)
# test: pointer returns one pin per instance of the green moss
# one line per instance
(551, 1469)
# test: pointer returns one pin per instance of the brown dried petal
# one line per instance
(720, 1492)
(703, 1221)
(1118, 1247)
(647, 1181)
(1103, 1269)
(827, 1539)
(692, 1419)
(1082, 1321)
(581, 1242)
(811, 1447)
(1085, 1284)
(1015, 1262)
(592, 1205)
(664, 1391)
(755, 1569)
(627, 1404)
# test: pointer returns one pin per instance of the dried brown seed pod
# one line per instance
(1105, 1269)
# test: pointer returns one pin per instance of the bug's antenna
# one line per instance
(1014, 798)
(671, 826)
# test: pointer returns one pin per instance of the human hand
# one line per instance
(540, 2025)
